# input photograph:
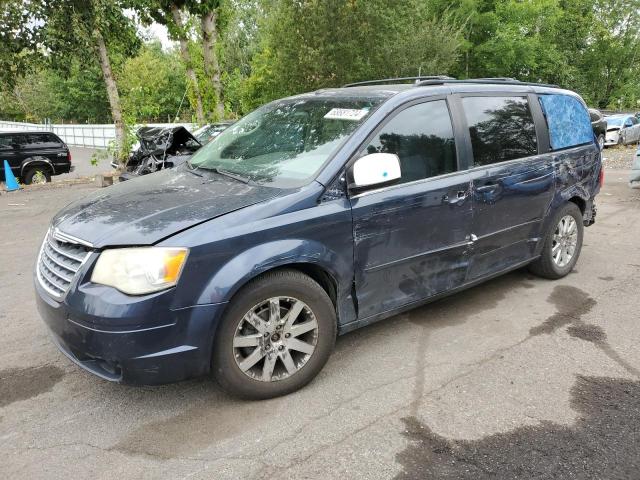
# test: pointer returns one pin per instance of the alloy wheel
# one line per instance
(275, 339)
(565, 240)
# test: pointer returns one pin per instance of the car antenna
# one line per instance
(175, 120)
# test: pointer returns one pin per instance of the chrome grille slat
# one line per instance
(66, 254)
(52, 278)
(51, 268)
(55, 258)
(48, 286)
(68, 263)
(58, 263)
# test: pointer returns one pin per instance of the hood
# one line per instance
(160, 139)
(149, 208)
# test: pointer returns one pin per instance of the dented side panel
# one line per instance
(411, 242)
(511, 201)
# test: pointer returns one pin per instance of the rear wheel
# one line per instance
(562, 244)
(37, 175)
(275, 337)
(601, 141)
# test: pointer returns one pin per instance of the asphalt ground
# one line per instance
(81, 160)
(517, 378)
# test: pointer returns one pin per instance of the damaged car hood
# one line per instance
(148, 209)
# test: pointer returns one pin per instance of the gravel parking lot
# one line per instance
(517, 378)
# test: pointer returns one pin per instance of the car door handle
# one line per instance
(492, 187)
(459, 197)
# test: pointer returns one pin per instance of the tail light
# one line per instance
(601, 177)
(69, 155)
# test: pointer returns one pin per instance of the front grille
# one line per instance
(58, 263)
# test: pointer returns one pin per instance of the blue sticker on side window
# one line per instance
(568, 120)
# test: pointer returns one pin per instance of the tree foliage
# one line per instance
(319, 43)
(243, 53)
(152, 84)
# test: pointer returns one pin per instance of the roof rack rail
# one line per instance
(500, 79)
(398, 79)
(484, 81)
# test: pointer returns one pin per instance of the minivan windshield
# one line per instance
(285, 143)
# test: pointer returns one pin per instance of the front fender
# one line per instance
(230, 277)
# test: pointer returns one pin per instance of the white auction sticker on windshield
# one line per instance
(346, 114)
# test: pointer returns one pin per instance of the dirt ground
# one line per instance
(517, 378)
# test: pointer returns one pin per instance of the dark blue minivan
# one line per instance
(312, 216)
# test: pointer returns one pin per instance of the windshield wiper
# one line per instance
(227, 173)
(192, 171)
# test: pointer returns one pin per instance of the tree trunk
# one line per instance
(186, 58)
(211, 64)
(112, 94)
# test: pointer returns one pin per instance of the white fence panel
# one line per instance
(94, 136)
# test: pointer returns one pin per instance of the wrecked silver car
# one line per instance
(159, 148)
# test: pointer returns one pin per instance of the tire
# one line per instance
(37, 175)
(601, 141)
(547, 265)
(234, 363)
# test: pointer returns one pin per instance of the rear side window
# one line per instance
(501, 128)
(422, 137)
(40, 140)
(568, 120)
(6, 141)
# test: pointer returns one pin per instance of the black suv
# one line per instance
(34, 156)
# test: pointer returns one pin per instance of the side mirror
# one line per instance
(374, 170)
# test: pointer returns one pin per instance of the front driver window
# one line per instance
(422, 137)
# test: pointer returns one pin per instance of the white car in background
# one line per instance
(622, 130)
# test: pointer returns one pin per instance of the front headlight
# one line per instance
(140, 270)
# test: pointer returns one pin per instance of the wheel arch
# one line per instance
(34, 162)
(312, 258)
(319, 273)
(580, 202)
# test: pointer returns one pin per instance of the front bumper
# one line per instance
(152, 345)
(612, 138)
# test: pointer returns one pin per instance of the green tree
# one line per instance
(152, 84)
(208, 14)
(55, 31)
(240, 41)
(170, 13)
(45, 93)
(311, 44)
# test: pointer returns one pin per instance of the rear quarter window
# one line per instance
(41, 140)
(568, 120)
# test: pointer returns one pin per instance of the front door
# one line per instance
(412, 238)
(513, 185)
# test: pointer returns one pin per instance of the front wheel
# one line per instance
(276, 336)
(562, 244)
(601, 140)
